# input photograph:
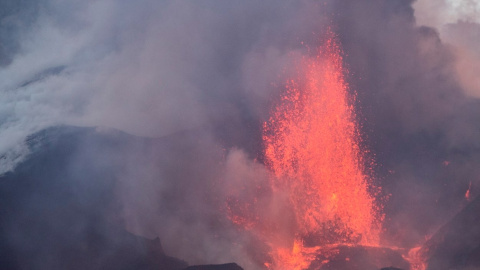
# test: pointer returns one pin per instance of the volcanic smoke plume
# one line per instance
(331, 134)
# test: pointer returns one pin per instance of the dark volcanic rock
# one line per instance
(120, 251)
(56, 205)
(457, 244)
(359, 257)
(228, 266)
(58, 208)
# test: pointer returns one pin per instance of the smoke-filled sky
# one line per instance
(211, 70)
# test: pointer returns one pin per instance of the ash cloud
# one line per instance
(149, 68)
(418, 121)
(199, 78)
(458, 25)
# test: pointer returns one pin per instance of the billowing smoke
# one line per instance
(196, 80)
(458, 25)
(417, 117)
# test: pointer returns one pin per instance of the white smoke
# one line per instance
(148, 68)
(458, 22)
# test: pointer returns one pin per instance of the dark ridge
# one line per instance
(227, 266)
(58, 208)
(457, 244)
(358, 257)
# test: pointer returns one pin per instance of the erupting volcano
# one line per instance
(230, 135)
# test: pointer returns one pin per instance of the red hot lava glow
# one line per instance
(312, 147)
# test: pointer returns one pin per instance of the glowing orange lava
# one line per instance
(296, 258)
(312, 146)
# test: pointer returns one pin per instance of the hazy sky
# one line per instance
(457, 22)
(438, 13)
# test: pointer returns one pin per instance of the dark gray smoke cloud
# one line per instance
(200, 77)
(420, 125)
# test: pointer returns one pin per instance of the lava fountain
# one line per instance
(312, 147)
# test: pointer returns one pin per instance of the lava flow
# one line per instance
(312, 146)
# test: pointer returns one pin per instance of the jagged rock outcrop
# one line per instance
(457, 244)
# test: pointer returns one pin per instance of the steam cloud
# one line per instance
(202, 77)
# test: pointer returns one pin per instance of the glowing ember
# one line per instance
(468, 194)
(312, 147)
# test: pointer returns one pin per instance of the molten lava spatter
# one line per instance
(312, 147)
(468, 194)
(296, 258)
